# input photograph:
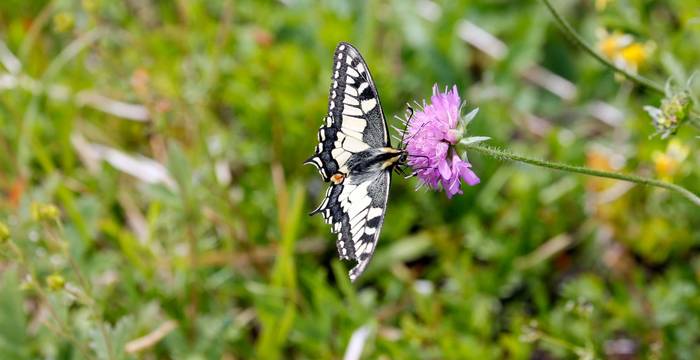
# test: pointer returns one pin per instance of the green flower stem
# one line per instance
(569, 30)
(506, 155)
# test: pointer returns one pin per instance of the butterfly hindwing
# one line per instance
(355, 119)
(367, 222)
(355, 211)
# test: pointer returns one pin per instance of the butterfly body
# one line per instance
(355, 155)
(373, 160)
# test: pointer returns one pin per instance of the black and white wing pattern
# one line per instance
(355, 210)
(355, 201)
(355, 119)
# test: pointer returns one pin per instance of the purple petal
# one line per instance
(444, 169)
(469, 176)
(453, 187)
(463, 168)
(441, 150)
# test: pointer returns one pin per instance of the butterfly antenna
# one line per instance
(415, 133)
(419, 156)
(405, 129)
(421, 168)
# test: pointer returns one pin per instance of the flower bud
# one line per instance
(674, 110)
(676, 107)
(45, 212)
(55, 282)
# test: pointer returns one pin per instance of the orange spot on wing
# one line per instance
(337, 178)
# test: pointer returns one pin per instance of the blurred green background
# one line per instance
(152, 187)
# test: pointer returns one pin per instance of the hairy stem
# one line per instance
(569, 31)
(506, 155)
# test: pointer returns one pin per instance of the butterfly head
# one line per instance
(393, 157)
(403, 158)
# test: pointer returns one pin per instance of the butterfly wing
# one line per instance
(354, 207)
(355, 210)
(355, 119)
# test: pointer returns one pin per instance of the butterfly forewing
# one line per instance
(354, 204)
(354, 101)
(355, 120)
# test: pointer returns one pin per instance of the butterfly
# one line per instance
(354, 154)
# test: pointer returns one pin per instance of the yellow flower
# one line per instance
(611, 44)
(669, 162)
(55, 282)
(45, 212)
(623, 50)
(634, 54)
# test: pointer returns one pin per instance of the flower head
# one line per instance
(674, 110)
(45, 212)
(431, 137)
(55, 282)
(623, 50)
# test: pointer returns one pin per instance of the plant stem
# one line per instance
(506, 155)
(569, 31)
(61, 328)
(87, 289)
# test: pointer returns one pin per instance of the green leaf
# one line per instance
(13, 322)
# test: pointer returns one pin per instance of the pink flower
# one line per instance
(431, 137)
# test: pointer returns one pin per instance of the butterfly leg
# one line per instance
(411, 175)
(401, 170)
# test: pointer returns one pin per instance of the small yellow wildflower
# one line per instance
(55, 282)
(45, 212)
(635, 54)
(623, 50)
(669, 162)
(611, 44)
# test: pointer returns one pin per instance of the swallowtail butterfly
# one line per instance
(354, 153)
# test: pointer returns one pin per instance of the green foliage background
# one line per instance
(528, 264)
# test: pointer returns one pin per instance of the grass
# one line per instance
(169, 136)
